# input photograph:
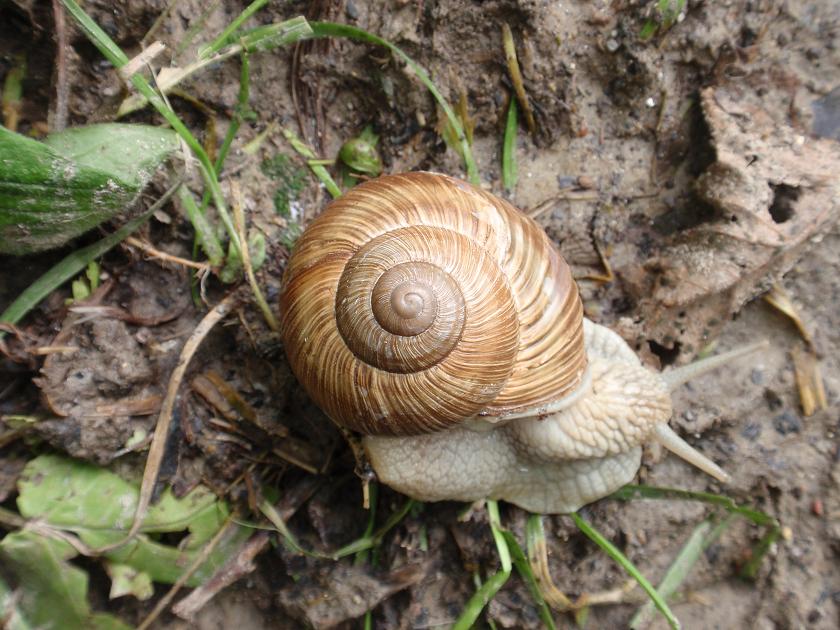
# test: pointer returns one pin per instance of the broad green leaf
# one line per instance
(53, 191)
(99, 507)
(131, 153)
(53, 593)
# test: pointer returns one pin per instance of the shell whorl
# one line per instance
(416, 301)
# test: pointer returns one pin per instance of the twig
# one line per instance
(156, 253)
(158, 446)
(548, 204)
(61, 90)
(200, 559)
(235, 568)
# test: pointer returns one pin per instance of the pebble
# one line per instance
(352, 10)
(751, 431)
(787, 423)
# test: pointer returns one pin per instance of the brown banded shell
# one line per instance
(416, 301)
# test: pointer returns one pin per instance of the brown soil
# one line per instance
(621, 113)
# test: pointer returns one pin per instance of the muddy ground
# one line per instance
(625, 159)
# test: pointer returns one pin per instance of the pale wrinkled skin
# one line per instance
(547, 464)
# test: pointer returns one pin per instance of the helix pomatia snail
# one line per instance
(441, 323)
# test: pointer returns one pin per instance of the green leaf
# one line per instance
(99, 507)
(73, 263)
(53, 191)
(53, 593)
(92, 274)
(360, 153)
(131, 153)
(80, 290)
(126, 580)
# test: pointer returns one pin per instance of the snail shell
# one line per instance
(416, 301)
(441, 323)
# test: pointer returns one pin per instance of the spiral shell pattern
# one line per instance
(416, 301)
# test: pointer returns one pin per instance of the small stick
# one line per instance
(200, 559)
(158, 446)
(61, 89)
(156, 253)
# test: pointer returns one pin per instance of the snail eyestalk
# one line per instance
(666, 436)
(681, 375)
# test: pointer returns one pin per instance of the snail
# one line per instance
(443, 325)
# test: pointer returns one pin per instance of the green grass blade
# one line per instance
(523, 567)
(271, 513)
(368, 542)
(96, 35)
(750, 569)
(331, 29)
(498, 537)
(318, 169)
(204, 233)
(225, 38)
(480, 599)
(75, 263)
(613, 552)
(488, 590)
(632, 492)
(699, 540)
(509, 170)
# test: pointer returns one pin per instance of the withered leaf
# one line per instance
(774, 191)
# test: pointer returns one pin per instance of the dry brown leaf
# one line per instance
(774, 191)
(779, 299)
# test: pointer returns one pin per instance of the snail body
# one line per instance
(441, 323)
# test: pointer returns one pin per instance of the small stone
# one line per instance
(751, 431)
(757, 377)
(612, 45)
(567, 181)
(787, 423)
(352, 10)
(585, 182)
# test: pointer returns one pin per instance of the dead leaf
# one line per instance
(773, 190)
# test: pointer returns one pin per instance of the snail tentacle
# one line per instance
(681, 375)
(668, 438)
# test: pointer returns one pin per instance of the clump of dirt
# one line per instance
(646, 149)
